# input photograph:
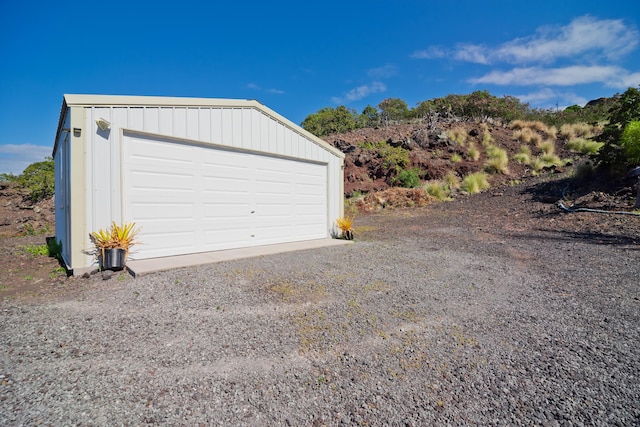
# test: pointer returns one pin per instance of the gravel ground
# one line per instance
(436, 316)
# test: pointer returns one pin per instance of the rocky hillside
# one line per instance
(435, 153)
(20, 216)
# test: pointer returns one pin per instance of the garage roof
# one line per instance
(76, 100)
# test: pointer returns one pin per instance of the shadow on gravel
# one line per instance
(586, 237)
(552, 191)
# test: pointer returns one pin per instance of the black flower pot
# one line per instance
(113, 259)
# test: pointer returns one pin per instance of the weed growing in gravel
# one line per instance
(36, 250)
(289, 291)
(57, 272)
(456, 158)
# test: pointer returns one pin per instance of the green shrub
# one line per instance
(392, 157)
(456, 158)
(475, 183)
(631, 142)
(409, 178)
(625, 109)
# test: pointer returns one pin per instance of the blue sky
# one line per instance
(298, 57)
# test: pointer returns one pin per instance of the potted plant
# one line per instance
(345, 224)
(113, 244)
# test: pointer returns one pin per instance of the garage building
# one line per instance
(197, 174)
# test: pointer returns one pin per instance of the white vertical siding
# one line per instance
(245, 128)
(151, 119)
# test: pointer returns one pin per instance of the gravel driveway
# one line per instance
(435, 316)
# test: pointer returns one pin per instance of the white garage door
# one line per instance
(190, 198)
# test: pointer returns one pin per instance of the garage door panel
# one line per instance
(191, 199)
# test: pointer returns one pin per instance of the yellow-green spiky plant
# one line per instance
(345, 224)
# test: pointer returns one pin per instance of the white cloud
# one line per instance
(254, 86)
(585, 37)
(611, 76)
(601, 38)
(387, 70)
(360, 92)
(14, 158)
(550, 98)
(472, 53)
(432, 52)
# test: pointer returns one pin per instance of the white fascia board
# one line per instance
(162, 101)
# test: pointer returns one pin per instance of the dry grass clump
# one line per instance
(452, 180)
(487, 139)
(473, 153)
(395, 197)
(523, 156)
(577, 130)
(545, 161)
(552, 132)
(525, 124)
(547, 147)
(584, 146)
(475, 183)
(456, 158)
(497, 160)
(529, 131)
(523, 135)
(458, 135)
(518, 124)
(438, 190)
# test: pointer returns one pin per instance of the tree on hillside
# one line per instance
(393, 109)
(369, 116)
(331, 120)
(38, 178)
